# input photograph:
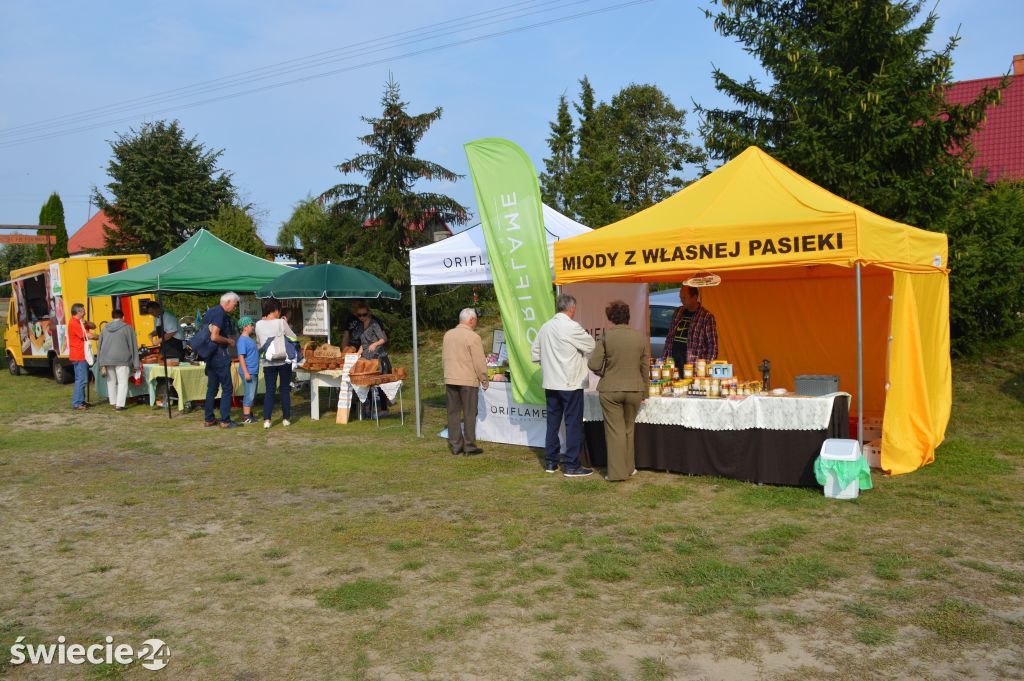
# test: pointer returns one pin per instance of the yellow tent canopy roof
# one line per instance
(751, 213)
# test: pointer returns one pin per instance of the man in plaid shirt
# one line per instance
(693, 332)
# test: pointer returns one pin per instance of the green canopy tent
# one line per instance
(327, 281)
(203, 264)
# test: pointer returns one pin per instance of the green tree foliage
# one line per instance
(855, 103)
(309, 234)
(987, 263)
(554, 181)
(15, 256)
(52, 213)
(651, 146)
(626, 155)
(377, 223)
(396, 216)
(237, 227)
(591, 181)
(164, 187)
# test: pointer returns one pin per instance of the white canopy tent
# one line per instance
(462, 259)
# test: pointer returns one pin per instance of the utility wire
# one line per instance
(419, 34)
(43, 135)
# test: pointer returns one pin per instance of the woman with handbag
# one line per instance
(118, 358)
(621, 359)
(80, 353)
(272, 334)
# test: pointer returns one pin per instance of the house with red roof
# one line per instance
(90, 237)
(999, 143)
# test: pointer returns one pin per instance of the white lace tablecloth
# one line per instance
(757, 411)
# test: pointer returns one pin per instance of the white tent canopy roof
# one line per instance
(462, 259)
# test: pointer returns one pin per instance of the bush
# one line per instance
(986, 256)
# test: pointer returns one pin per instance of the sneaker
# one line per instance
(286, 422)
(550, 467)
(228, 424)
(578, 472)
(209, 424)
(633, 473)
(266, 425)
(249, 421)
(118, 408)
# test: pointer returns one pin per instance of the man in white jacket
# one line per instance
(560, 348)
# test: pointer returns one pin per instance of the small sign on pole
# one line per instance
(314, 317)
(27, 239)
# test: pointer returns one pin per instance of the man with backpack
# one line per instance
(214, 351)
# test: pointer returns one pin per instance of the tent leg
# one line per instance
(860, 363)
(416, 366)
(167, 380)
(327, 319)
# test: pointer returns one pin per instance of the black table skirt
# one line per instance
(776, 457)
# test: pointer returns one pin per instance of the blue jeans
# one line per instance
(249, 389)
(81, 381)
(570, 404)
(218, 376)
(271, 374)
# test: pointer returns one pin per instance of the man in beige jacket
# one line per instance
(462, 356)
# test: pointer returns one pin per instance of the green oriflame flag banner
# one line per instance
(508, 197)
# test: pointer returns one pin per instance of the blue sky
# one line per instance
(282, 144)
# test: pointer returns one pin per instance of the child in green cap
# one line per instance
(248, 367)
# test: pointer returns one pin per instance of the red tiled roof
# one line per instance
(999, 143)
(90, 236)
(416, 225)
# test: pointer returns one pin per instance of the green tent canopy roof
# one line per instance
(203, 264)
(327, 281)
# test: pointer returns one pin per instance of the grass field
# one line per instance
(326, 551)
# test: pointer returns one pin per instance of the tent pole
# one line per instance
(416, 365)
(860, 364)
(327, 319)
(163, 353)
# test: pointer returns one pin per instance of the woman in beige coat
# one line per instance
(624, 355)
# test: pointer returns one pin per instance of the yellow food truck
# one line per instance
(40, 307)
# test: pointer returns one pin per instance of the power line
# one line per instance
(421, 33)
(465, 41)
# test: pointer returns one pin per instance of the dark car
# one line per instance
(663, 305)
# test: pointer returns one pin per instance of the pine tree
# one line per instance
(855, 102)
(554, 182)
(52, 213)
(590, 184)
(395, 215)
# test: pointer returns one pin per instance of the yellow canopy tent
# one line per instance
(795, 262)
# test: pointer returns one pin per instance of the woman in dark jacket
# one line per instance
(624, 355)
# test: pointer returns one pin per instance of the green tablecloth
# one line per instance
(189, 381)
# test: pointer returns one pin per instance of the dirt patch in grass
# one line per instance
(375, 554)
